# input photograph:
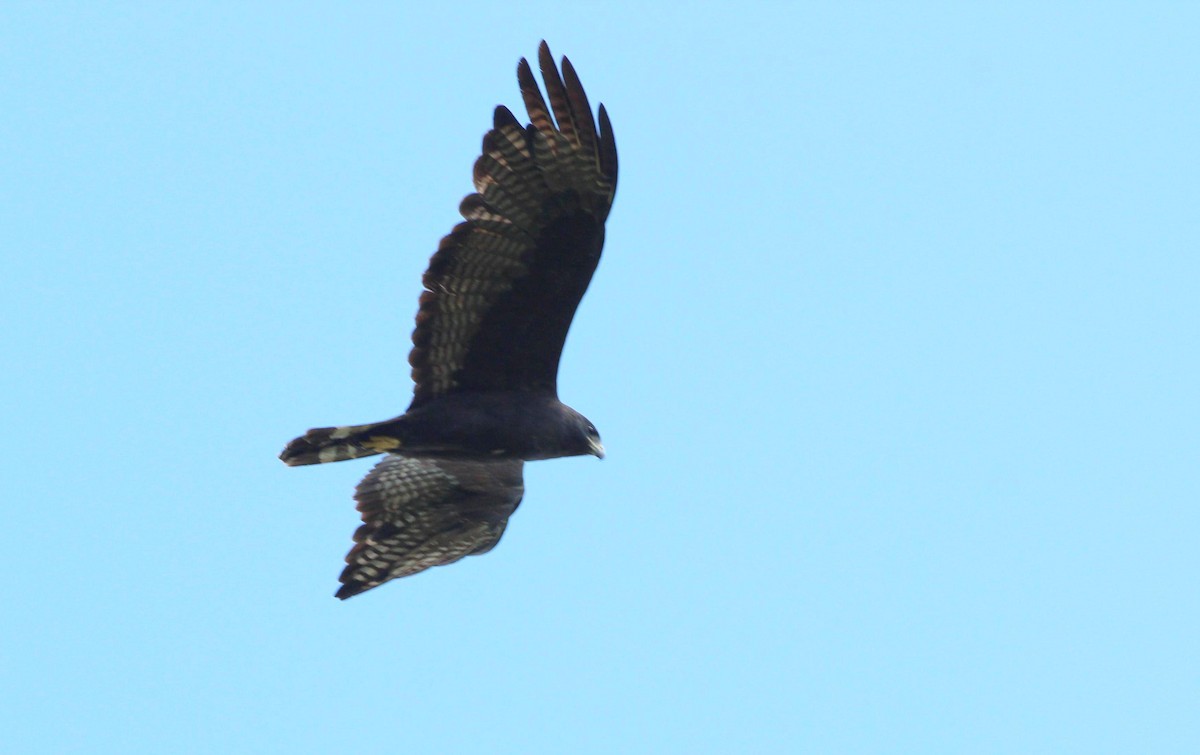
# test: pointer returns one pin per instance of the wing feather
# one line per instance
(559, 102)
(504, 285)
(419, 513)
(608, 151)
(580, 109)
(531, 93)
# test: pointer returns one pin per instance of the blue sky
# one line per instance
(893, 349)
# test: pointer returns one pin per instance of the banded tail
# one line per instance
(325, 444)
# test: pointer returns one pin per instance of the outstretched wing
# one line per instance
(503, 286)
(419, 513)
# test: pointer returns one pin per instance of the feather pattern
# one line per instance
(419, 513)
(503, 286)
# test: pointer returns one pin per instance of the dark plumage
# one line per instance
(500, 294)
(419, 513)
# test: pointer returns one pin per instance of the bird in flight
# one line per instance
(500, 294)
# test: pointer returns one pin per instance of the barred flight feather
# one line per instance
(420, 513)
(534, 223)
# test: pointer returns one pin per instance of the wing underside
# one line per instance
(504, 285)
(419, 513)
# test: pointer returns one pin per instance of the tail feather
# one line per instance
(326, 444)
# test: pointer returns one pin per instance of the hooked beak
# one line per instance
(597, 448)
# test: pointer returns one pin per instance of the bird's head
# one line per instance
(584, 439)
(595, 447)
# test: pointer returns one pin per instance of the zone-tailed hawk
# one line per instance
(499, 297)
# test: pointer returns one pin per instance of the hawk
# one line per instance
(500, 294)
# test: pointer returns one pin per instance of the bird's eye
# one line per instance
(591, 431)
